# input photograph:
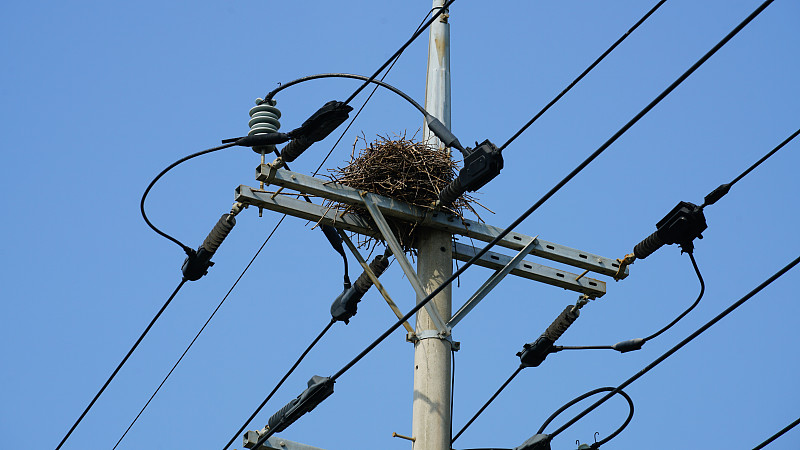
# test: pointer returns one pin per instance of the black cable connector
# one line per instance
(319, 388)
(481, 165)
(681, 226)
(198, 262)
(346, 304)
(534, 353)
(315, 128)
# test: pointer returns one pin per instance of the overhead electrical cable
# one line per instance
(553, 190)
(401, 49)
(383, 77)
(200, 331)
(583, 74)
(585, 396)
(122, 363)
(777, 435)
(723, 189)
(280, 383)
(636, 344)
(680, 345)
(185, 248)
(488, 402)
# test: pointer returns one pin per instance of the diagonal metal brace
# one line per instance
(400, 256)
(490, 284)
(374, 279)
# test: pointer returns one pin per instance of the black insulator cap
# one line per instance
(346, 304)
(481, 165)
(198, 262)
(534, 353)
(681, 226)
(324, 121)
(319, 388)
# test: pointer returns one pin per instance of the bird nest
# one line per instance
(404, 170)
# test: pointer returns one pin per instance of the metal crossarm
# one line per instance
(462, 252)
(428, 218)
(532, 271)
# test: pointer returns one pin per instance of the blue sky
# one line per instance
(98, 97)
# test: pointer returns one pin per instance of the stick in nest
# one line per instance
(405, 170)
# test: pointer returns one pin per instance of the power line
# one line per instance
(553, 191)
(201, 331)
(185, 248)
(777, 435)
(397, 58)
(636, 344)
(587, 395)
(583, 74)
(400, 50)
(113, 374)
(280, 383)
(486, 405)
(723, 189)
(680, 345)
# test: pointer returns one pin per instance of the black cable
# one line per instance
(485, 405)
(641, 342)
(380, 83)
(125, 359)
(587, 395)
(201, 330)
(401, 50)
(680, 345)
(280, 383)
(690, 308)
(552, 192)
(583, 74)
(352, 121)
(777, 435)
(723, 189)
(185, 248)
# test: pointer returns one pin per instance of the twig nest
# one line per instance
(404, 170)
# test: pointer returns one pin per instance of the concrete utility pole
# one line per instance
(431, 408)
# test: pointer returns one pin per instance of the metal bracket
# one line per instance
(374, 279)
(251, 438)
(400, 256)
(414, 337)
(490, 284)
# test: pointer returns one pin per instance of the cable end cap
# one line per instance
(629, 345)
(536, 442)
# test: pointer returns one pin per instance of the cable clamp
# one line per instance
(433, 334)
(265, 173)
(237, 208)
(623, 264)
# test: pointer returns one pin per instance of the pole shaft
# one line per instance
(431, 407)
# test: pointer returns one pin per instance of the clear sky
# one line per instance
(98, 97)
